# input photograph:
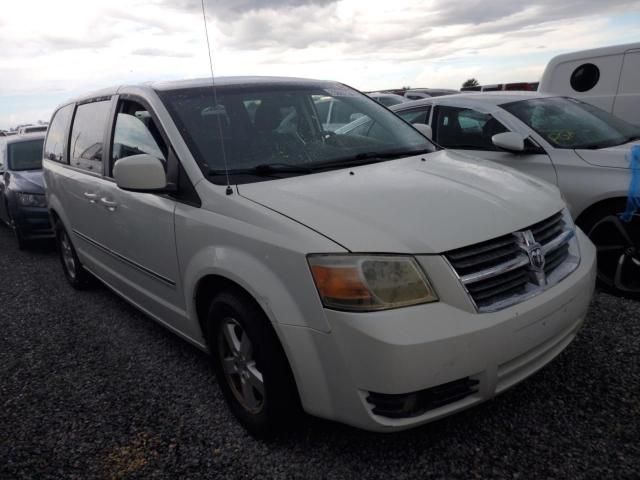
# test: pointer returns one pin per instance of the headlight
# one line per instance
(31, 200)
(370, 282)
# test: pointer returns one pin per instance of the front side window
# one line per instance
(54, 146)
(283, 125)
(87, 135)
(570, 123)
(25, 155)
(466, 129)
(135, 133)
(420, 115)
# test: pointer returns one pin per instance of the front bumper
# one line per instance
(32, 222)
(417, 348)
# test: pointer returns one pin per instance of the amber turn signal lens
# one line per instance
(340, 283)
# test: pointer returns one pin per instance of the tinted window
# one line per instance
(87, 135)
(136, 133)
(416, 115)
(322, 107)
(54, 147)
(35, 129)
(585, 77)
(25, 155)
(343, 113)
(468, 129)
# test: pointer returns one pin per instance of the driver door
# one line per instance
(470, 131)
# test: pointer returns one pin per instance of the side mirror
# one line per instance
(424, 129)
(140, 173)
(509, 141)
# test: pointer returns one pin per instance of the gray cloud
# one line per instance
(404, 38)
(234, 9)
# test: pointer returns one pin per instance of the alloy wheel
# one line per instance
(618, 249)
(67, 255)
(239, 365)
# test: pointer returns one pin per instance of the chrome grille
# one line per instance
(511, 268)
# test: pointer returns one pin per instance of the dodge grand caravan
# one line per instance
(370, 278)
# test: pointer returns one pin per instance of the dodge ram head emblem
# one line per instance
(533, 249)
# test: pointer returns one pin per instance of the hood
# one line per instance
(409, 205)
(27, 181)
(616, 157)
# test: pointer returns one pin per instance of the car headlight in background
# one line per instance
(31, 200)
(370, 282)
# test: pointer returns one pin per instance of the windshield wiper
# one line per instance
(368, 157)
(264, 169)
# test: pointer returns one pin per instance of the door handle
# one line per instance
(108, 204)
(90, 196)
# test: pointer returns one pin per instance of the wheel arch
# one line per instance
(617, 202)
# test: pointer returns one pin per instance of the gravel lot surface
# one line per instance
(90, 388)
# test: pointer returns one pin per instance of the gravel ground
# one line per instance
(90, 388)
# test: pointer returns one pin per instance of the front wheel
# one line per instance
(618, 250)
(250, 364)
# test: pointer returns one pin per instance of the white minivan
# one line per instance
(607, 77)
(373, 279)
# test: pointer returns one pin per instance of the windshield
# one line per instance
(570, 123)
(290, 128)
(25, 155)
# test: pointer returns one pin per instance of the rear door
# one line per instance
(471, 131)
(81, 180)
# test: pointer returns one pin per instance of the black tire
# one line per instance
(76, 275)
(618, 245)
(279, 403)
(22, 242)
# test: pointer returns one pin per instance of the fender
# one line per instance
(261, 282)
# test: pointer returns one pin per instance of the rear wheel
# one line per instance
(618, 249)
(76, 274)
(250, 364)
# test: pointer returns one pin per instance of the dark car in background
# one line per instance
(22, 202)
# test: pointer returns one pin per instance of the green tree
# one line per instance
(472, 82)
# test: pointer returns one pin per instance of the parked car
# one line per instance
(607, 77)
(22, 200)
(564, 141)
(375, 279)
(387, 99)
(333, 114)
(420, 93)
(32, 129)
(511, 87)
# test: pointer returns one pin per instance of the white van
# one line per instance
(371, 278)
(607, 77)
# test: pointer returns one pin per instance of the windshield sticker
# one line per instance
(633, 200)
(562, 137)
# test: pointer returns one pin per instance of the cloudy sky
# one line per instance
(51, 50)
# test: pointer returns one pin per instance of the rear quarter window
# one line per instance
(56, 137)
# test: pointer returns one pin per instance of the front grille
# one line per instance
(501, 272)
(408, 405)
